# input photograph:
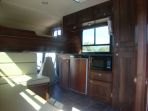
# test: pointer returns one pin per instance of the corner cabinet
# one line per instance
(100, 85)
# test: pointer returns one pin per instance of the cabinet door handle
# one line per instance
(117, 44)
(99, 74)
(117, 54)
(135, 80)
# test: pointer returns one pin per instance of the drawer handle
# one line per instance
(99, 74)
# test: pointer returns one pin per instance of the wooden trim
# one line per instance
(115, 100)
(141, 58)
(147, 60)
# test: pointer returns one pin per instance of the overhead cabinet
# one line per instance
(35, 43)
(102, 11)
(89, 14)
(23, 40)
(72, 24)
(85, 15)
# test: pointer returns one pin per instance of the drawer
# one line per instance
(100, 90)
(101, 75)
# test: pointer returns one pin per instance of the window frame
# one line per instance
(94, 26)
(57, 29)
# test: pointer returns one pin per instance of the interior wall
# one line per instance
(12, 64)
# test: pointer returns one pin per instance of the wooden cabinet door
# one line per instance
(124, 22)
(102, 10)
(123, 79)
(70, 20)
(124, 62)
(70, 23)
(78, 67)
(85, 15)
(64, 73)
(100, 90)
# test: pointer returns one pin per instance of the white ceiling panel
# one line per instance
(37, 15)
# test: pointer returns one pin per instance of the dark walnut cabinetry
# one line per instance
(124, 54)
(85, 15)
(41, 90)
(100, 85)
(64, 65)
(72, 73)
(64, 73)
(72, 24)
(24, 40)
(100, 90)
(103, 10)
(105, 76)
(78, 74)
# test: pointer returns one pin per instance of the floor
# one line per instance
(74, 100)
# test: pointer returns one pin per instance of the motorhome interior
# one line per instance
(73, 55)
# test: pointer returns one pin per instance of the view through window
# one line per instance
(39, 60)
(96, 39)
(57, 32)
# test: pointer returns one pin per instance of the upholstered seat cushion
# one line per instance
(31, 79)
(39, 79)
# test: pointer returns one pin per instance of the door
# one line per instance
(64, 73)
(78, 75)
(123, 78)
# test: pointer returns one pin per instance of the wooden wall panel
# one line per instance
(141, 58)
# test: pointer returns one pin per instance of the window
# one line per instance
(57, 32)
(39, 60)
(96, 39)
(53, 56)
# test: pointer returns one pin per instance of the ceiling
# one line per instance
(38, 15)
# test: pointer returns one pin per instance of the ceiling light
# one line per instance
(79, 1)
